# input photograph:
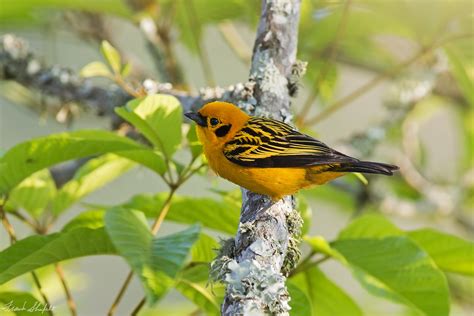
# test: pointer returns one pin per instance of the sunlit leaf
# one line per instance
(33, 194)
(112, 56)
(95, 69)
(158, 118)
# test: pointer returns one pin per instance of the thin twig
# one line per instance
(138, 307)
(309, 264)
(24, 219)
(235, 41)
(11, 233)
(120, 294)
(70, 300)
(381, 77)
(194, 27)
(324, 72)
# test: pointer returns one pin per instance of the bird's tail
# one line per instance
(367, 167)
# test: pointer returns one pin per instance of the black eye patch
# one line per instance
(223, 130)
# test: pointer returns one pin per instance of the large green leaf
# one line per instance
(325, 297)
(397, 267)
(21, 304)
(370, 226)
(156, 261)
(33, 194)
(31, 156)
(219, 215)
(38, 251)
(91, 176)
(449, 252)
(158, 117)
(300, 303)
(389, 264)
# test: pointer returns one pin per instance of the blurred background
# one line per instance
(386, 80)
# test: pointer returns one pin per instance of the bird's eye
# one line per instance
(214, 121)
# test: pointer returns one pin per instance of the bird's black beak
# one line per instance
(196, 117)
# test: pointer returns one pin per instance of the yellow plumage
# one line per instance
(268, 156)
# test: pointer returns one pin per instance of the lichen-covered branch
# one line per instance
(19, 63)
(265, 245)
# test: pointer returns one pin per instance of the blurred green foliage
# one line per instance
(425, 48)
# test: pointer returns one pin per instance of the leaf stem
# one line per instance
(306, 264)
(11, 233)
(70, 300)
(138, 307)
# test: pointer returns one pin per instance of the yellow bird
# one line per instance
(267, 156)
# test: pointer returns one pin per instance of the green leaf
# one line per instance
(219, 215)
(204, 250)
(396, 266)
(370, 226)
(90, 219)
(449, 252)
(95, 69)
(91, 176)
(300, 303)
(199, 295)
(38, 251)
(194, 144)
(320, 245)
(156, 261)
(325, 297)
(33, 194)
(26, 158)
(112, 56)
(158, 117)
(389, 264)
(21, 304)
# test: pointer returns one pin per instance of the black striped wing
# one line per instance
(269, 143)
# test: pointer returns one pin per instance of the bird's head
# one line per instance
(217, 122)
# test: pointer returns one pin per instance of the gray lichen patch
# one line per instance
(293, 254)
(257, 287)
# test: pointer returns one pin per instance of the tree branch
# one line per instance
(19, 64)
(265, 244)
